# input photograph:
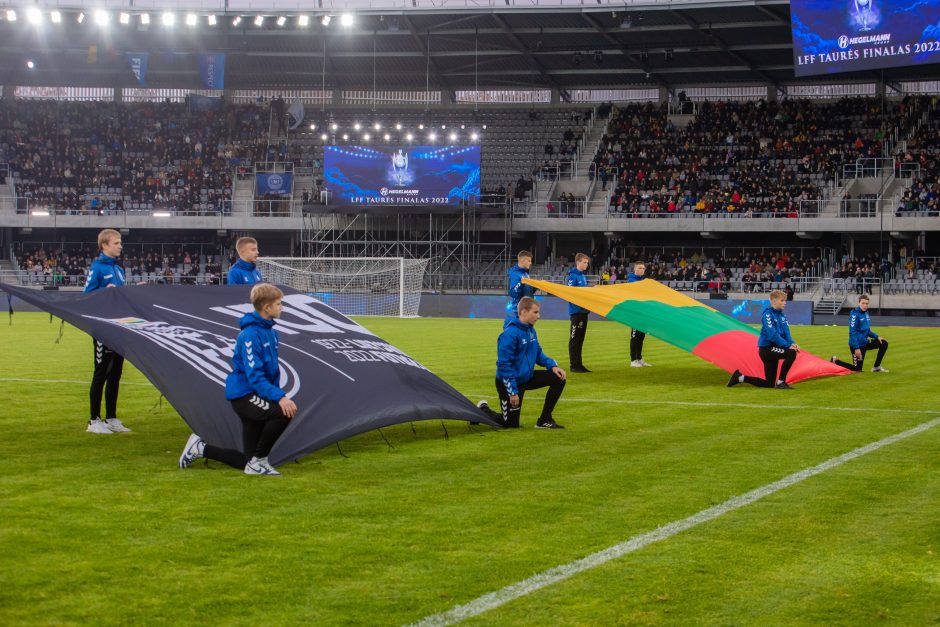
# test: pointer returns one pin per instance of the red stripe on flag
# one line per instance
(737, 350)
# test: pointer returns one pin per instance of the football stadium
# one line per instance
(504, 312)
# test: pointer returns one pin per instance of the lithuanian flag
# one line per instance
(686, 323)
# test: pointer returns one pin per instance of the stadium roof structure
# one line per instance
(445, 45)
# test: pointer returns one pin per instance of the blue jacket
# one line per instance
(576, 278)
(243, 273)
(860, 328)
(774, 329)
(104, 271)
(632, 278)
(517, 290)
(517, 353)
(255, 368)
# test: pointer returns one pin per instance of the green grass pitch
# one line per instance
(107, 530)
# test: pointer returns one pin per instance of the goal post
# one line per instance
(354, 286)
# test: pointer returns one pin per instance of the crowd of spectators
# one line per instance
(923, 149)
(99, 157)
(176, 262)
(741, 158)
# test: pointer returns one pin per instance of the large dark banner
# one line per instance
(401, 176)
(344, 379)
(848, 35)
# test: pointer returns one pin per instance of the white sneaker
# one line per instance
(645, 363)
(260, 466)
(98, 426)
(194, 449)
(116, 425)
(636, 363)
(880, 369)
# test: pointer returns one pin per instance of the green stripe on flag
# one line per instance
(683, 327)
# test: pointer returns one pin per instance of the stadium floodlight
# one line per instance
(432, 136)
(323, 136)
(377, 126)
(168, 19)
(40, 212)
(33, 15)
(366, 137)
(124, 18)
(398, 126)
(409, 137)
(346, 19)
(325, 20)
(190, 19)
(443, 127)
(484, 127)
(144, 19)
(11, 15)
(474, 136)
(55, 17)
(29, 64)
(281, 20)
(259, 20)
(357, 126)
(453, 137)
(212, 20)
(236, 20)
(80, 18)
(421, 127)
(303, 20)
(345, 137)
(313, 127)
(462, 127)
(387, 137)
(161, 214)
(334, 126)
(102, 18)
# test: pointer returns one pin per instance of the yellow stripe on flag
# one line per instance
(602, 298)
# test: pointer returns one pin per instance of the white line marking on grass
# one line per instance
(557, 574)
(618, 401)
(86, 382)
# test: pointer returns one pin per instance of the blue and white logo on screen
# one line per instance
(844, 42)
(384, 191)
(275, 182)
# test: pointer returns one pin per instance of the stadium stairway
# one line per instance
(243, 194)
(829, 305)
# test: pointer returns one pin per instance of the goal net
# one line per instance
(354, 286)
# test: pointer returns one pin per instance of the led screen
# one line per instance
(847, 35)
(377, 176)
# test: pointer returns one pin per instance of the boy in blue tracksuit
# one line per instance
(252, 388)
(517, 289)
(862, 339)
(105, 273)
(637, 337)
(244, 271)
(518, 352)
(775, 344)
(578, 315)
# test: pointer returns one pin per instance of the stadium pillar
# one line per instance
(771, 93)
(556, 96)
(8, 91)
(118, 95)
(663, 95)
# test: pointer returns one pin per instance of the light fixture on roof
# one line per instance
(191, 19)
(325, 20)
(102, 18)
(211, 19)
(144, 19)
(313, 127)
(366, 137)
(80, 18)
(33, 15)
(345, 137)
(386, 137)
(432, 136)
(259, 20)
(346, 19)
(124, 18)
(30, 64)
(281, 20)
(55, 17)
(421, 127)
(303, 20)
(323, 136)
(357, 126)
(453, 137)
(377, 126)
(168, 19)
(409, 137)
(236, 20)
(474, 136)
(11, 15)
(334, 126)
(161, 214)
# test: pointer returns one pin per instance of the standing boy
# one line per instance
(862, 339)
(518, 352)
(578, 315)
(105, 273)
(517, 289)
(244, 271)
(252, 387)
(775, 344)
(636, 336)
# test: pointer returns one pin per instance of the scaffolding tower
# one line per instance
(460, 251)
